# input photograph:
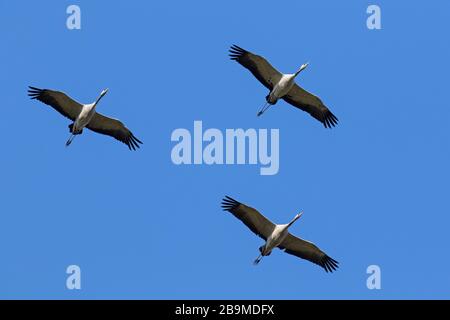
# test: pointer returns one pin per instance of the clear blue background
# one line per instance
(374, 189)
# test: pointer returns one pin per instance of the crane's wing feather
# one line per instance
(309, 251)
(114, 128)
(254, 220)
(258, 66)
(308, 102)
(61, 102)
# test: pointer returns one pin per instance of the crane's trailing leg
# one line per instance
(70, 140)
(257, 260)
(73, 133)
(261, 251)
(263, 109)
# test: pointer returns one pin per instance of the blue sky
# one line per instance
(374, 189)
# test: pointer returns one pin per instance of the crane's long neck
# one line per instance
(298, 72)
(98, 100)
(295, 219)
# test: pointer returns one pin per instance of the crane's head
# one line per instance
(303, 67)
(297, 216)
(104, 92)
(101, 96)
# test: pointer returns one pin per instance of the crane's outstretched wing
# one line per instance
(254, 220)
(309, 251)
(61, 102)
(114, 128)
(261, 69)
(308, 102)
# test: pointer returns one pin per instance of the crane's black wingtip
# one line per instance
(133, 143)
(236, 52)
(330, 120)
(237, 48)
(34, 92)
(229, 203)
(137, 140)
(329, 264)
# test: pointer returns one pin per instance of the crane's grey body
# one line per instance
(278, 236)
(84, 118)
(275, 239)
(281, 88)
